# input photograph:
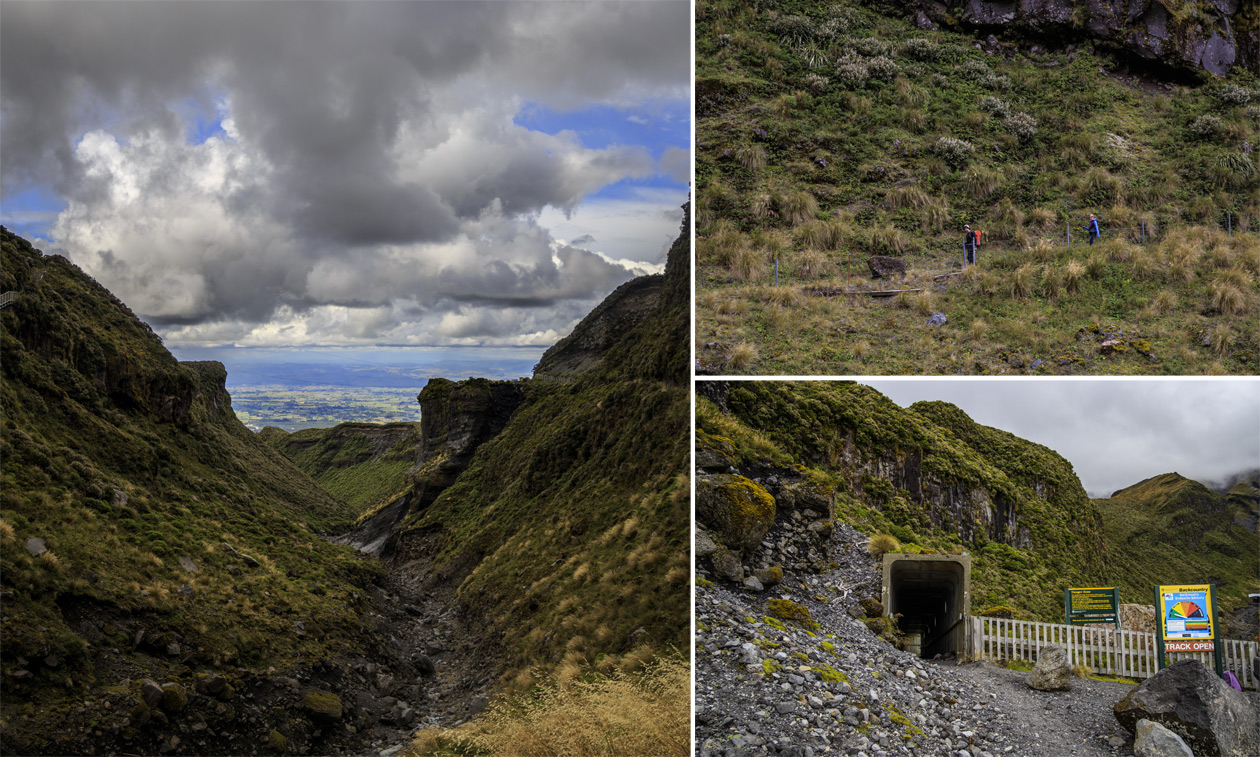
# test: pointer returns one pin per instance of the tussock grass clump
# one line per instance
(742, 355)
(1041, 219)
(648, 712)
(798, 207)
(1099, 187)
(1163, 302)
(1024, 280)
(935, 215)
(978, 328)
(1073, 274)
(1227, 298)
(923, 303)
(881, 544)
(982, 182)
(1052, 281)
(1219, 338)
(888, 239)
(810, 264)
(751, 155)
(906, 197)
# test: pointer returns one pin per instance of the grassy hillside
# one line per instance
(569, 530)
(149, 497)
(1045, 534)
(362, 464)
(1169, 530)
(827, 133)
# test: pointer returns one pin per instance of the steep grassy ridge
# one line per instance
(569, 529)
(362, 464)
(1169, 529)
(827, 133)
(128, 465)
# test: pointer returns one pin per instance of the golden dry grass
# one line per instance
(881, 544)
(624, 713)
(743, 354)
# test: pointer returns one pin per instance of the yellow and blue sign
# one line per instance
(1186, 612)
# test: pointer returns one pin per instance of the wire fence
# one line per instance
(950, 260)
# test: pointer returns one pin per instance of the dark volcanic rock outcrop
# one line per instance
(1203, 35)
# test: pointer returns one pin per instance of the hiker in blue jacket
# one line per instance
(1092, 228)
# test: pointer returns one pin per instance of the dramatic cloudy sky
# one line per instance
(1114, 432)
(293, 173)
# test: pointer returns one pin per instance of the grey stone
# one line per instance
(937, 319)
(36, 546)
(1188, 699)
(752, 584)
(188, 564)
(1154, 740)
(1051, 672)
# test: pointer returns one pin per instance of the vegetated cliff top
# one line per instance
(569, 529)
(147, 493)
(827, 133)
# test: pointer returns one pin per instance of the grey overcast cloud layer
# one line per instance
(1114, 432)
(368, 184)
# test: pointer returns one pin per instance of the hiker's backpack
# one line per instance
(977, 232)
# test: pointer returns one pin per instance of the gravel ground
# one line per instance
(767, 687)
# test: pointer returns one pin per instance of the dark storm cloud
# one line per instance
(1114, 432)
(352, 125)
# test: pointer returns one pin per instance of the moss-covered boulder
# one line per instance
(738, 510)
(790, 612)
(323, 704)
(173, 697)
(276, 742)
(714, 453)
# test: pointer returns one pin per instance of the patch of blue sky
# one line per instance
(656, 125)
(634, 189)
(202, 120)
(31, 212)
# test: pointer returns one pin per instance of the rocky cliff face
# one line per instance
(1212, 36)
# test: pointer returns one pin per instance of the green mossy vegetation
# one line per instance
(125, 461)
(790, 612)
(593, 474)
(364, 465)
(827, 132)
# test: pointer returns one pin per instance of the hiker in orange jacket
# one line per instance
(970, 242)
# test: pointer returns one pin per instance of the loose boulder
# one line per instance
(738, 510)
(885, 267)
(323, 704)
(1188, 699)
(1051, 672)
(1154, 740)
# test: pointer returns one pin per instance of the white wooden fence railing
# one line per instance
(1130, 654)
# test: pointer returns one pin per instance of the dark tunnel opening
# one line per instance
(932, 594)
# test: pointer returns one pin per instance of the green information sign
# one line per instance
(1091, 605)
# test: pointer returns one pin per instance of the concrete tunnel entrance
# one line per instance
(933, 595)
